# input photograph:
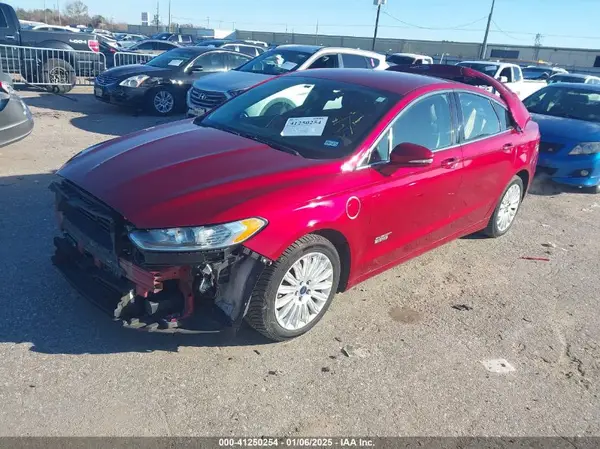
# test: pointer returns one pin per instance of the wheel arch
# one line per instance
(526, 178)
(343, 248)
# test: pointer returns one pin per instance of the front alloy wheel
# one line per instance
(163, 102)
(294, 293)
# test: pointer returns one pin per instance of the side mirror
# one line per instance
(197, 69)
(504, 79)
(410, 154)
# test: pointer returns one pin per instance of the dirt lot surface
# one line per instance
(416, 361)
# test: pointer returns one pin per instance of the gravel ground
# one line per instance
(415, 365)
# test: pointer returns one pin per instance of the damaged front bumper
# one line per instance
(200, 292)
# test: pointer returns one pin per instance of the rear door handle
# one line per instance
(450, 162)
(12, 38)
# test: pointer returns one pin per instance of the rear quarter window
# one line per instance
(3, 22)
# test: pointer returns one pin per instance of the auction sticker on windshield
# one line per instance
(176, 62)
(289, 65)
(304, 126)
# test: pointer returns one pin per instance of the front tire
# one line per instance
(504, 215)
(594, 189)
(293, 294)
(162, 101)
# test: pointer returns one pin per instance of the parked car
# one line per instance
(216, 89)
(574, 78)
(569, 119)
(152, 47)
(55, 69)
(246, 47)
(127, 40)
(239, 214)
(507, 73)
(541, 72)
(181, 39)
(16, 121)
(408, 59)
(160, 85)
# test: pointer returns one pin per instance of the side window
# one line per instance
(146, 46)
(354, 61)
(507, 72)
(503, 116)
(326, 62)
(381, 152)
(3, 22)
(250, 51)
(428, 122)
(479, 117)
(164, 46)
(234, 61)
(211, 62)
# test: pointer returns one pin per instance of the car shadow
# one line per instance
(92, 115)
(41, 309)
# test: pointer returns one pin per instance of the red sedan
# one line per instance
(195, 225)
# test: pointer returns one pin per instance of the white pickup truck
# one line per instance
(507, 73)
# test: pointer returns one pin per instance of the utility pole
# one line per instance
(169, 16)
(208, 22)
(58, 9)
(317, 34)
(157, 16)
(487, 32)
(537, 44)
(379, 4)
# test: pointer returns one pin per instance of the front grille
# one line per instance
(206, 99)
(86, 214)
(105, 80)
(549, 147)
(546, 170)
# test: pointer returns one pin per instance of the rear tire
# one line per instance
(508, 206)
(61, 72)
(265, 313)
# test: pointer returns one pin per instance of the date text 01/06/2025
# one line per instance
(296, 442)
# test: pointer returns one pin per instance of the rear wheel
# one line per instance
(504, 216)
(294, 293)
(58, 75)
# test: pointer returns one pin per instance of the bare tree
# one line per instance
(76, 9)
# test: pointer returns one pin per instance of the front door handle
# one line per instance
(449, 163)
(12, 38)
(507, 147)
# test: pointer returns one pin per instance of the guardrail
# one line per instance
(54, 68)
(125, 58)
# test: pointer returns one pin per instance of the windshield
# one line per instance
(566, 79)
(178, 57)
(534, 73)
(276, 62)
(161, 36)
(566, 102)
(488, 69)
(312, 117)
(400, 60)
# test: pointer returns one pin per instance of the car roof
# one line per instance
(572, 75)
(578, 86)
(158, 40)
(397, 82)
(486, 62)
(316, 48)
(411, 55)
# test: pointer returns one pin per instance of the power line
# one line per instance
(457, 27)
(505, 33)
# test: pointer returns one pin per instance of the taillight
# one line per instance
(94, 46)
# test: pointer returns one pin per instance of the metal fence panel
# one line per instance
(51, 66)
(124, 58)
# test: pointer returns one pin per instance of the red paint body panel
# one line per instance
(182, 174)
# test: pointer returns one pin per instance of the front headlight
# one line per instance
(197, 238)
(134, 81)
(586, 148)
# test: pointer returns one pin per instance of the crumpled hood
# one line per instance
(232, 80)
(182, 174)
(567, 129)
